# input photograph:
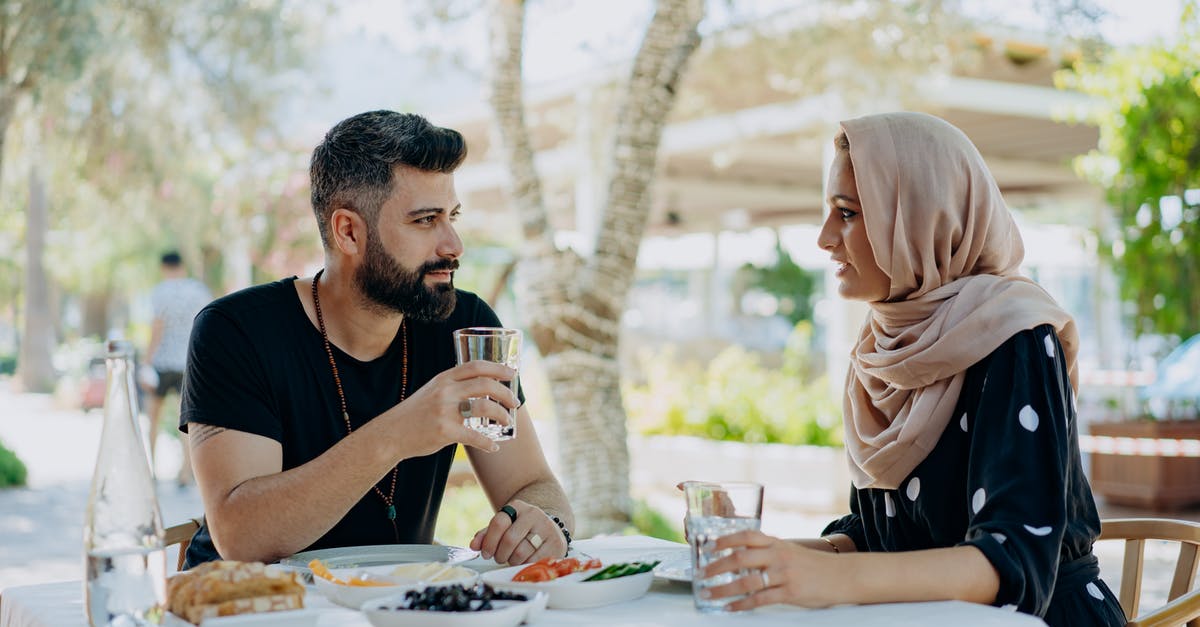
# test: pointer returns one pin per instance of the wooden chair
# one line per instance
(1183, 603)
(181, 534)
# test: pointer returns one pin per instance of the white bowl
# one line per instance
(571, 591)
(382, 613)
(354, 597)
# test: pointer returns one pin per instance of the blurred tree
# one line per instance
(40, 41)
(141, 156)
(1148, 160)
(575, 305)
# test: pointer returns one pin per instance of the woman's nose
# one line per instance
(829, 236)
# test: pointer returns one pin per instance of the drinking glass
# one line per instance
(502, 346)
(716, 509)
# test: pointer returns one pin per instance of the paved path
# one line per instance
(41, 526)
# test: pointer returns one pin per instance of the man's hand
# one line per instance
(512, 540)
(433, 416)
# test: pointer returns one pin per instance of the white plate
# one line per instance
(283, 618)
(506, 614)
(378, 555)
(675, 570)
(571, 591)
(354, 597)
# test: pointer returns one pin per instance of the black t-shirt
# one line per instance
(257, 364)
(1005, 477)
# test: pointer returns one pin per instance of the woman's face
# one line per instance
(844, 235)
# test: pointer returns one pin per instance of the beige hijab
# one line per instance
(940, 229)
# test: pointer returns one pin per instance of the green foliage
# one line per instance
(648, 521)
(190, 158)
(12, 469)
(1148, 157)
(464, 511)
(8, 363)
(736, 397)
(790, 284)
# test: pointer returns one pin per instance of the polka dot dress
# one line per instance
(1006, 478)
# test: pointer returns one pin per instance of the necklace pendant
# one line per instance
(391, 512)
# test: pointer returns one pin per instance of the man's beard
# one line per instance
(391, 286)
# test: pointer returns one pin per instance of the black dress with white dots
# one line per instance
(1005, 477)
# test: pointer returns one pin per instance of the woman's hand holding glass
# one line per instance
(779, 571)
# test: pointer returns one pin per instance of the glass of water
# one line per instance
(716, 509)
(502, 346)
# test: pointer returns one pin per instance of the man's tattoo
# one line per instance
(198, 433)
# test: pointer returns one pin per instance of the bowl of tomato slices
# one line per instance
(575, 584)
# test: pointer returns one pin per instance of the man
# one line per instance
(176, 300)
(325, 411)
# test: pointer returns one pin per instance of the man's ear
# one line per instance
(349, 231)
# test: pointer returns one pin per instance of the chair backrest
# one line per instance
(181, 534)
(1183, 603)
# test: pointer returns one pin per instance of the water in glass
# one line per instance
(703, 533)
(491, 344)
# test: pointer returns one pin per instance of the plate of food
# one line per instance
(574, 584)
(378, 555)
(451, 606)
(352, 587)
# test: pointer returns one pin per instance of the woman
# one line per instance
(959, 412)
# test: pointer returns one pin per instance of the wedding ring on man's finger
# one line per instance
(534, 540)
(766, 580)
(464, 407)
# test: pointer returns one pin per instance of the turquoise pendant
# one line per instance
(391, 512)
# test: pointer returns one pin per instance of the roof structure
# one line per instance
(743, 151)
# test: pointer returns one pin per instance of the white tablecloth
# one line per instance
(668, 604)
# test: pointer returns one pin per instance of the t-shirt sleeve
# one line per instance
(485, 316)
(1016, 475)
(850, 525)
(225, 382)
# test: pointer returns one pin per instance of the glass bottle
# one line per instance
(125, 581)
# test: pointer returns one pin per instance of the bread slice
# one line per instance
(276, 602)
(225, 588)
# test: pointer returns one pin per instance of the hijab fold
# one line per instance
(941, 231)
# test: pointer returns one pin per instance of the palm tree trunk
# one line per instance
(574, 306)
(35, 369)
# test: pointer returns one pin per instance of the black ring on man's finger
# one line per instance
(512, 513)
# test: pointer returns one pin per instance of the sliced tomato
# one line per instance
(535, 572)
(565, 566)
(590, 564)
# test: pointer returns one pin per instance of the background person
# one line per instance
(176, 301)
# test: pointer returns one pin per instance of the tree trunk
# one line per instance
(35, 370)
(574, 306)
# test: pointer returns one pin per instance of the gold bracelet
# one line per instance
(831, 544)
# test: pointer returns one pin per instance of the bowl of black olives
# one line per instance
(479, 605)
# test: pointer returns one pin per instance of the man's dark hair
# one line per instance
(353, 166)
(171, 259)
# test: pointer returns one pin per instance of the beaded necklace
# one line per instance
(389, 498)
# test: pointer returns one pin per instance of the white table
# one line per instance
(667, 605)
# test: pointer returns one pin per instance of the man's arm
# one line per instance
(156, 335)
(518, 475)
(258, 512)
